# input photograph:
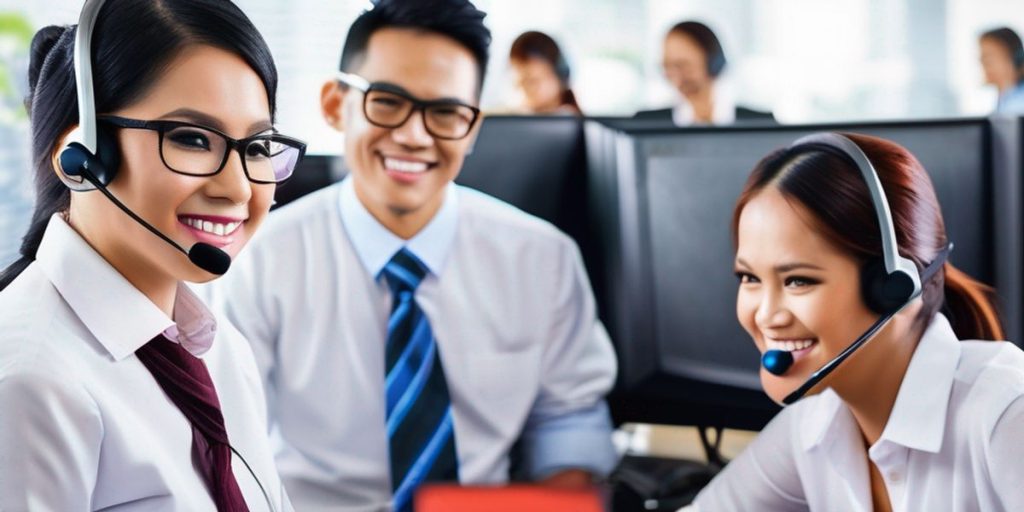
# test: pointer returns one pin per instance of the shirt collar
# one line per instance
(121, 318)
(918, 418)
(723, 109)
(375, 244)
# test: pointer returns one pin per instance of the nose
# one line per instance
(231, 182)
(772, 312)
(413, 133)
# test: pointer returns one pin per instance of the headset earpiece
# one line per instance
(716, 62)
(76, 160)
(884, 292)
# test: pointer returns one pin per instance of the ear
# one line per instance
(471, 138)
(332, 102)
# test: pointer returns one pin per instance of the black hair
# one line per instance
(1012, 42)
(457, 19)
(133, 42)
(708, 42)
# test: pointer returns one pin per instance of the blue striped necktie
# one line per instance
(419, 413)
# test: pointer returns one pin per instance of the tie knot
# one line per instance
(404, 272)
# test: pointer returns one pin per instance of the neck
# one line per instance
(1006, 86)
(873, 378)
(159, 287)
(703, 104)
(403, 223)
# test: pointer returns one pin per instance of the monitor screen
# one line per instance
(535, 163)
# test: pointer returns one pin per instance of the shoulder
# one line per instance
(491, 225)
(661, 113)
(35, 322)
(989, 381)
(39, 368)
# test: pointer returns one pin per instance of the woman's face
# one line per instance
(206, 86)
(685, 64)
(797, 292)
(996, 62)
(539, 85)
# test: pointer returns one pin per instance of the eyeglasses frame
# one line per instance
(365, 86)
(162, 126)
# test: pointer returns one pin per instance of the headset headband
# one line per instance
(83, 74)
(892, 259)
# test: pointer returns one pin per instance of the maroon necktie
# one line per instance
(185, 380)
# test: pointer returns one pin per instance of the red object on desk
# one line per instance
(514, 498)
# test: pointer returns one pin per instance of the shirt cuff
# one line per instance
(577, 440)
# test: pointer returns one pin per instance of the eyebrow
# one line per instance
(390, 87)
(205, 119)
(785, 267)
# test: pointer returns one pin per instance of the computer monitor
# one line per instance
(666, 199)
(536, 163)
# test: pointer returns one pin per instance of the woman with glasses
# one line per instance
(118, 388)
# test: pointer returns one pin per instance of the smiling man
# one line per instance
(408, 329)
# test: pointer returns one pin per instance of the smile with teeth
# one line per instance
(214, 228)
(788, 345)
(407, 166)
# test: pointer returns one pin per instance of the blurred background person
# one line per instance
(541, 75)
(692, 61)
(1002, 59)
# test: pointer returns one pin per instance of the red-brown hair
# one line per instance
(538, 45)
(831, 188)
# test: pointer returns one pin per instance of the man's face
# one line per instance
(685, 64)
(400, 174)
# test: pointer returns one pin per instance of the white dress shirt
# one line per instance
(83, 424)
(511, 309)
(723, 109)
(954, 441)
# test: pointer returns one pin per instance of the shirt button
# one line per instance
(896, 477)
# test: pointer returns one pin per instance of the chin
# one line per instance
(778, 388)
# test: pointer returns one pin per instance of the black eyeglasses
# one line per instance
(195, 150)
(390, 106)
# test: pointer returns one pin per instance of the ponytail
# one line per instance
(970, 307)
(50, 53)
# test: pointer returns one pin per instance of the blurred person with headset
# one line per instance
(541, 75)
(693, 61)
(410, 330)
(1002, 59)
(840, 238)
(152, 132)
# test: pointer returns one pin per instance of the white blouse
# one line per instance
(954, 441)
(83, 424)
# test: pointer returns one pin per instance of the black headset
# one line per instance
(888, 283)
(702, 34)
(91, 159)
